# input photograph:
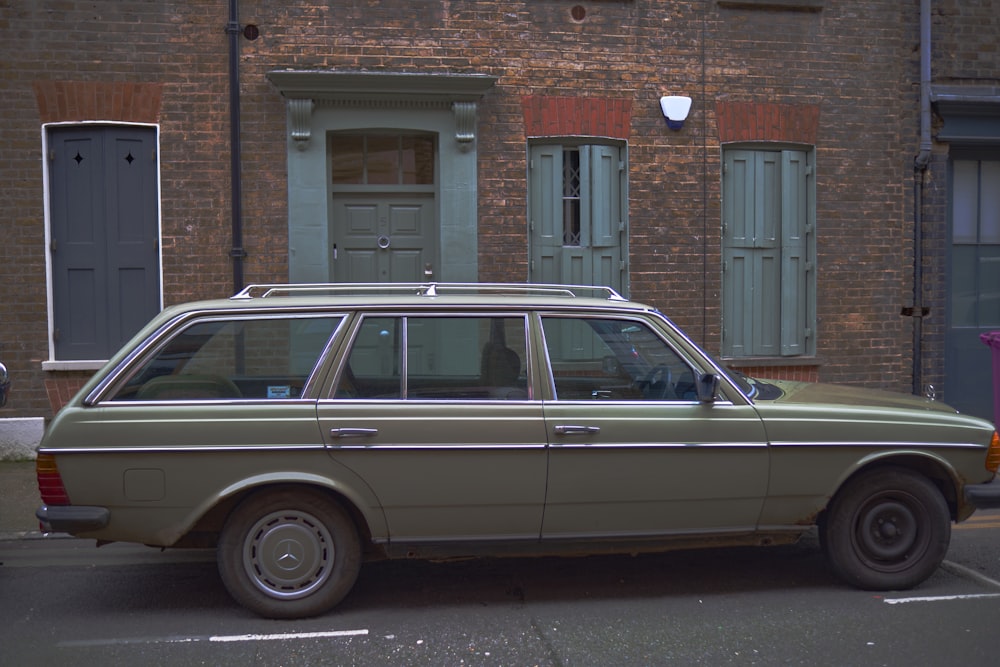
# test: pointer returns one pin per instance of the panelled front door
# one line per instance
(383, 213)
(382, 238)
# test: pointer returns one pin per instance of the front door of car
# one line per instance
(435, 413)
(632, 450)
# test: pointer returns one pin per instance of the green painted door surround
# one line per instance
(321, 101)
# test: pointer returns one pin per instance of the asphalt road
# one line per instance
(63, 602)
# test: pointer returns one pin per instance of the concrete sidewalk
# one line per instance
(18, 500)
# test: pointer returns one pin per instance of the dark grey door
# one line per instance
(104, 237)
(974, 299)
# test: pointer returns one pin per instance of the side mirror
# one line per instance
(708, 387)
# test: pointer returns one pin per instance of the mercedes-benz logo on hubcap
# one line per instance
(288, 554)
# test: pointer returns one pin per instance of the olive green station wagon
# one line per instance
(301, 429)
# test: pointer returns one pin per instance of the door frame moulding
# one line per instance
(321, 101)
(304, 89)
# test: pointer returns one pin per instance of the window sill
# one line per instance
(83, 365)
(792, 5)
(757, 362)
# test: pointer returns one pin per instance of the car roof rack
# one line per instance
(427, 289)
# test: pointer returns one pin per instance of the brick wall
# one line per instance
(852, 65)
(109, 61)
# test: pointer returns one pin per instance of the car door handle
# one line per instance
(353, 432)
(576, 429)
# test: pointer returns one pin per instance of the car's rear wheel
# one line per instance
(289, 553)
(887, 529)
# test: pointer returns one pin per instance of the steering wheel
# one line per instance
(658, 383)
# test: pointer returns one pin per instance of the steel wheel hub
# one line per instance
(288, 554)
(887, 531)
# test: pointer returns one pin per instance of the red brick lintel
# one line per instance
(546, 115)
(121, 101)
(767, 121)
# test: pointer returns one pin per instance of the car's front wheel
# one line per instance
(887, 529)
(289, 553)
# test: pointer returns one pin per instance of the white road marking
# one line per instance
(216, 638)
(287, 635)
(940, 598)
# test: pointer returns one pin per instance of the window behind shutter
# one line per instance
(577, 215)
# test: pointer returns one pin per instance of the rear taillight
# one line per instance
(993, 455)
(50, 484)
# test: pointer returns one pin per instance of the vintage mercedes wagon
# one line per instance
(301, 429)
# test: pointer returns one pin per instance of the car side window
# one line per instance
(265, 358)
(437, 358)
(614, 359)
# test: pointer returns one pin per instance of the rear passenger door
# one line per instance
(452, 443)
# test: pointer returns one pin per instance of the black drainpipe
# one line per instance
(237, 253)
(920, 163)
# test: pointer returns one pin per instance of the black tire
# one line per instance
(887, 529)
(289, 553)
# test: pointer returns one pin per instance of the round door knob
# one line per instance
(383, 241)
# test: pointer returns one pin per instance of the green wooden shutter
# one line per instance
(751, 253)
(767, 271)
(605, 216)
(737, 225)
(794, 259)
(767, 255)
(546, 231)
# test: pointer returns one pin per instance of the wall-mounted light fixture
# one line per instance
(675, 110)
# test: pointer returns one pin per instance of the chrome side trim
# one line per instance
(179, 448)
(271, 448)
(442, 448)
(887, 447)
(207, 401)
(659, 445)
